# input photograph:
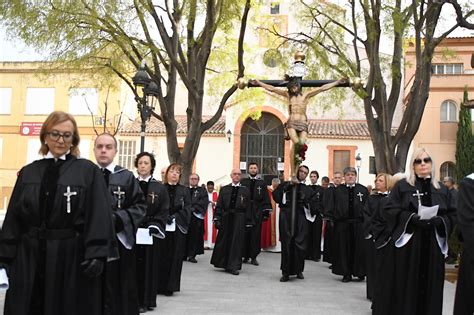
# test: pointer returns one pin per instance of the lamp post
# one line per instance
(228, 135)
(358, 164)
(146, 91)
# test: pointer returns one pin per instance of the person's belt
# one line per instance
(52, 234)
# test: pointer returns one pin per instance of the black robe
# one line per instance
(346, 208)
(130, 209)
(260, 206)
(371, 210)
(328, 251)
(293, 248)
(45, 262)
(172, 248)
(315, 228)
(419, 264)
(231, 214)
(464, 302)
(195, 237)
(158, 204)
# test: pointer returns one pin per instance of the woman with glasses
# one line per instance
(172, 247)
(420, 214)
(158, 203)
(58, 230)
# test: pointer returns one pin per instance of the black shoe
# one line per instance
(245, 260)
(254, 262)
(300, 275)
(234, 272)
(142, 310)
(192, 259)
(361, 278)
(330, 267)
(150, 308)
(284, 278)
(346, 279)
(168, 293)
(316, 259)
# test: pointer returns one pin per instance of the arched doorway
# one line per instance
(262, 141)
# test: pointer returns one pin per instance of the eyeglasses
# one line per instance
(55, 135)
(426, 160)
(193, 178)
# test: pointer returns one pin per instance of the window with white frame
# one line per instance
(127, 151)
(449, 111)
(447, 169)
(32, 154)
(39, 101)
(5, 100)
(447, 68)
(83, 101)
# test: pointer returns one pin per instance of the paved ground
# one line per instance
(206, 290)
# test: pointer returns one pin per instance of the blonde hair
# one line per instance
(52, 120)
(387, 178)
(412, 176)
(173, 166)
(394, 179)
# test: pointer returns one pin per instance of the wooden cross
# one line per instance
(259, 189)
(119, 194)
(360, 195)
(68, 195)
(418, 195)
(153, 195)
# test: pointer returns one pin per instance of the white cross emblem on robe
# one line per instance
(119, 194)
(68, 195)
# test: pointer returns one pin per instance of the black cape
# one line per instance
(293, 247)
(231, 214)
(347, 212)
(328, 238)
(260, 206)
(464, 302)
(120, 275)
(67, 240)
(419, 264)
(171, 249)
(315, 228)
(195, 237)
(158, 204)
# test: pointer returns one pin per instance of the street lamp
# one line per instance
(358, 164)
(146, 91)
(228, 135)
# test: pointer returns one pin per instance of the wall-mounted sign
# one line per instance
(30, 128)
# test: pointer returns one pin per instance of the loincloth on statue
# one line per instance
(298, 125)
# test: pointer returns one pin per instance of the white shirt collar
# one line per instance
(236, 185)
(110, 167)
(146, 179)
(50, 155)
(350, 185)
(471, 176)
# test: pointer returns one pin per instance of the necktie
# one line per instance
(106, 174)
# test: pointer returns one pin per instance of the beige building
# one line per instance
(452, 72)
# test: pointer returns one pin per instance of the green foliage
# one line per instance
(464, 142)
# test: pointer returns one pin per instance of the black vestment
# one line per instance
(195, 237)
(231, 214)
(328, 238)
(45, 245)
(315, 228)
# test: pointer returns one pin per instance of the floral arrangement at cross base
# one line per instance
(300, 153)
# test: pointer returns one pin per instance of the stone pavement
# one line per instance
(257, 290)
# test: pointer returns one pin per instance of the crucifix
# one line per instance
(68, 195)
(297, 123)
(195, 193)
(259, 189)
(119, 194)
(418, 195)
(360, 195)
(153, 195)
(242, 199)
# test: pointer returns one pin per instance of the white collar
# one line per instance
(350, 185)
(110, 167)
(235, 185)
(471, 176)
(146, 179)
(50, 155)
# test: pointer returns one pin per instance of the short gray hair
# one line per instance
(350, 169)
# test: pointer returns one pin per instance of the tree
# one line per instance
(464, 141)
(368, 22)
(174, 37)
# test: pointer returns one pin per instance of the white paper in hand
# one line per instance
(144, 237)
(308, 215)
(427, 213)
(171, 227)
(3, 279)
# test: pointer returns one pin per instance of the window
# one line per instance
(39, 101)
(341, 160)
(33, 150)
(5, 100)
(127, 151)
(449, 68)
(83, 101)
(447, 169)
(449, 111)
(275, 7)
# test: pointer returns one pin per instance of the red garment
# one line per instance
(268, 227)
(214, 230)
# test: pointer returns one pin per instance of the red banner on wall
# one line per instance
(30, 128)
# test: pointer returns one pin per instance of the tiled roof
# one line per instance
(156, 127)
(335, 129)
